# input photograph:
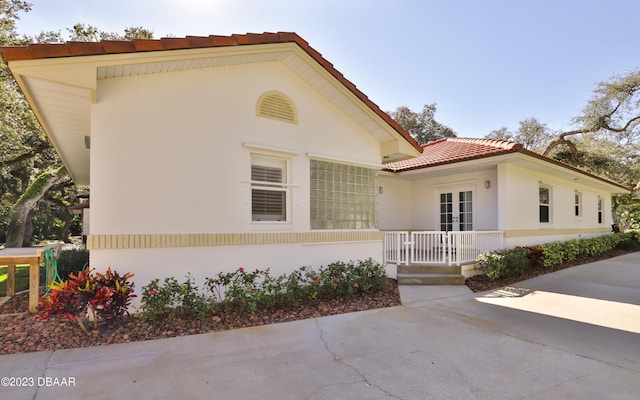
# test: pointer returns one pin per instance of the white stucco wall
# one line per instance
(413, 203)
(510, 204)
(169, 156)
(520, 210)
(395, 203)
(206, 262)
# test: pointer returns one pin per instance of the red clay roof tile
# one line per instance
(148, 45)
(118, 46)
(199, 41)
(40, 50)
(85, 48)
(451, 150)
(35, 51)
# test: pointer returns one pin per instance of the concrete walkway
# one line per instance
(572, 334)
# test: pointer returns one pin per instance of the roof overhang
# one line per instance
(522, 158)
(61, 89)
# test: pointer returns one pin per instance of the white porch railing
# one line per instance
(436, 247)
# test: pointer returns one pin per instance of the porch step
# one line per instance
(429, 269)
(430, 275)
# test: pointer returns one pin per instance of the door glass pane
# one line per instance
(465, 210)
(446, 212)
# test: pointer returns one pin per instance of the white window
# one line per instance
(545, 204)
(600, 207)
(577, 207)
(269, 188)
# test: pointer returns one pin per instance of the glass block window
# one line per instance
(342, 196)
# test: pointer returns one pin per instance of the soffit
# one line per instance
(63, 89)
(523, 160)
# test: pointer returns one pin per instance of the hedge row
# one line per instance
(510, 262)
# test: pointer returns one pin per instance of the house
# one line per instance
(205, 154)
(507, 195)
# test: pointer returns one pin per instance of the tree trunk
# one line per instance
(66, 227)
(20, 211)
(28, 230)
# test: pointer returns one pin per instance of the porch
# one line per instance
(436, 257)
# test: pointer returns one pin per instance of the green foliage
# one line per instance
(557, 253)
(422, 125)
(511, 262)
(250, 291)
(72, 261)
(26, 152)
(173, 299)
(503, 263)
(22, 278)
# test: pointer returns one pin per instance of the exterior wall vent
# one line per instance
(276, 105)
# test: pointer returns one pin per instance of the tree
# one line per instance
(613, 111)
(19, 217)
(531, 133)
(31, 174)
(421, 126)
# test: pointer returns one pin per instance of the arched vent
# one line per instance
(277, 106)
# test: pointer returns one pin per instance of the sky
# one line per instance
(486, 63)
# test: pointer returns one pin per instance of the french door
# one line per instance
(456, 211)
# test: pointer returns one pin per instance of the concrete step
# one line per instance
(429, 269)
(430, 279)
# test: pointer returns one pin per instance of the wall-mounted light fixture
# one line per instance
(87, 142)
(487, 184)
(380, 189)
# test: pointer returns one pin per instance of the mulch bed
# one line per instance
(20, 333)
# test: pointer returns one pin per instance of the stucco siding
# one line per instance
(522, 202)
(419, 210)
(204, 262)
(395, 203)
(171, 157)
(168, 154)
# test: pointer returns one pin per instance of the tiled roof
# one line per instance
(73, 49)
(452, 150)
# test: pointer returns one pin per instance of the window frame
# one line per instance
(282, 186)
(577, 204)
(600, 208)
(548, 204)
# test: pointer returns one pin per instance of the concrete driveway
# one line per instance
(573, 334)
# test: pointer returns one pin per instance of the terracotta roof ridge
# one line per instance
(497, 143)
(434, 142)
(104, 47)
(111, 46)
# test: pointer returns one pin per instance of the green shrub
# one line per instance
(250, 291)
(557, 253)
(630, 241)
(72, 261)
(173, 299)
(504, 263)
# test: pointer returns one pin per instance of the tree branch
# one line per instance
(562, 139)
(624, 128)
(25, 156)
